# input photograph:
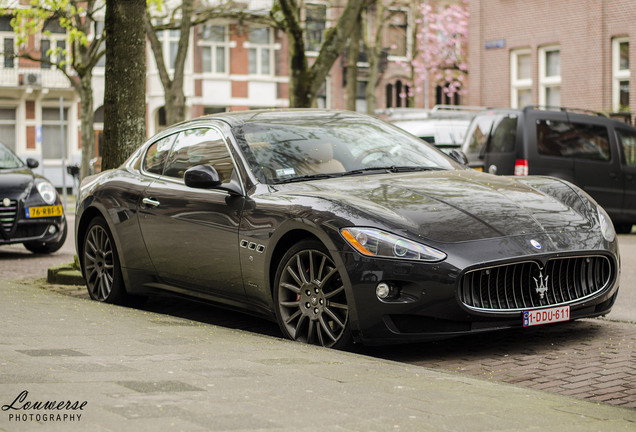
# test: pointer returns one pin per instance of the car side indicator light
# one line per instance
(521, 167)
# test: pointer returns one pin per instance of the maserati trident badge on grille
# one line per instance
(6, 202)
(542, 285)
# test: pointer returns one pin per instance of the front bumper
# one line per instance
(43, 230)
(429, 306)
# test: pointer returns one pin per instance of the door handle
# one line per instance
(150, 202)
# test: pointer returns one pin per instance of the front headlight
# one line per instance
(47, 192)
(607, 228)
(381, 244)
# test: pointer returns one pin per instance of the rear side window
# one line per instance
(157, 154)
(504, 135)
(573, 140)
(627, 140)
(477, 136)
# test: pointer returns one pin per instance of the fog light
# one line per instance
(385, 290)
(52, 229)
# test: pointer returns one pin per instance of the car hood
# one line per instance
(14, 182)
(452, 206)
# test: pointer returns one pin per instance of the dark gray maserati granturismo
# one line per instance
(343, 229)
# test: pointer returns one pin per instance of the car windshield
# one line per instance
(331, 146)
(8, 159)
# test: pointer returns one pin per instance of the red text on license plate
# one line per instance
(546, 316)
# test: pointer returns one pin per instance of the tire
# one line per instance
(309, 297)
(47, 247)
(100, 264)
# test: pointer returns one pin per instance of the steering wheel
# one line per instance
(357, 163)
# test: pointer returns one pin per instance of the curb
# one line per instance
(64, 274)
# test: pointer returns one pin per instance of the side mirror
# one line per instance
(459, 156)
(206, 177)
(202, 177)
(32, 163)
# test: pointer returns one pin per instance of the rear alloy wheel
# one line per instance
(101, 264)
(311, 304)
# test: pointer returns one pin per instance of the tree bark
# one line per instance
(352, 65)
(125, 89)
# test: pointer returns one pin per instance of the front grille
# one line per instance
(8, 215)
(526, 285)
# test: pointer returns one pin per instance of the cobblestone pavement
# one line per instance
(588, 359)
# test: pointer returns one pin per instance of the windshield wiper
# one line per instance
(308, 177)
(391, 169)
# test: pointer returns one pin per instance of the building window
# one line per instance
(261, 47)
(7, 41)
(620, 74)
(550, 76)
(8, 126)
(52, 140)
(397, 34)
(389, 95)
(520, 78)
(315, 26)
(213, 48)
(53, 44)
(170, 44)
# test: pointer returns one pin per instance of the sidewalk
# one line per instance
(140, 371)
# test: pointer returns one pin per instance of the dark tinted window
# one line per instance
(478, 133)
(199, 147)
(504, 135)
(628, 144)
(573, 140)
(157, 154)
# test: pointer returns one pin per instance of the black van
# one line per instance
(590, 150)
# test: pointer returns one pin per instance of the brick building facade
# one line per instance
(573, 53)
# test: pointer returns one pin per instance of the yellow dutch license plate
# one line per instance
(45, 211)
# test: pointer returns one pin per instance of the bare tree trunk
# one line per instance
(87, 115)
(125, 89)
(174, 95)
(352, 65)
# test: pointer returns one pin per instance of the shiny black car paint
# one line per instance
(19, 184)
(225, 246)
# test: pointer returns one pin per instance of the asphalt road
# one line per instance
(589, 359)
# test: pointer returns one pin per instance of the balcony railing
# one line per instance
(33, 77)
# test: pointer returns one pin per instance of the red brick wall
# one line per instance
(582, 28)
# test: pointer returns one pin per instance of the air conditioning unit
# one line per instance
(32, 79)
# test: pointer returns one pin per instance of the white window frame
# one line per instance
(618, 74)
(3, 37)
(546, 82)
(53, 39)
(213, 45)
(408, 39)
(272, 47)
(327, 23)
(516, 84)
(166, 37)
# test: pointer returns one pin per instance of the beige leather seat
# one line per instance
(320, 159)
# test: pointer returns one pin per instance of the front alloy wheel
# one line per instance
(310, 297)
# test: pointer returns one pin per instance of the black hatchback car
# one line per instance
(31, 210)
(342, 227)
(594, 152)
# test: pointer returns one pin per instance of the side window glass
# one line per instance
(199, 147)
(573, 140)
(627, 140)
(504, 135)
(157, 154)
(478, 135)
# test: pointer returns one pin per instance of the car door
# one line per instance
(192, 234)
(627, 142)
(501, 150)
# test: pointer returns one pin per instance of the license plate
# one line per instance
(45, 211)
(546, 316)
